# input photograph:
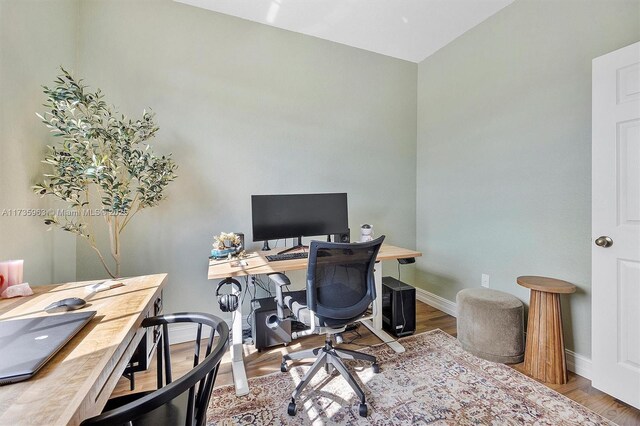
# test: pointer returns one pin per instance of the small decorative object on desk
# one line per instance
(366, 233)
(11, 277)
(4, 273)
(227, 245)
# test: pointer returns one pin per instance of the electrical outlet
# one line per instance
(485, 280)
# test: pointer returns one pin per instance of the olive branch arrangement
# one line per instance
(101, 157)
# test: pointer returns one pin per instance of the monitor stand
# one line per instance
(296, 247)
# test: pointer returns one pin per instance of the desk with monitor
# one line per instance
(256, 264)
(293, 216)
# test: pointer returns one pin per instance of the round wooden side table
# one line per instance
(544, 357)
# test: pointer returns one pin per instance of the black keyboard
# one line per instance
(286, 256)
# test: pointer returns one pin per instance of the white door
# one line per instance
(616, 224)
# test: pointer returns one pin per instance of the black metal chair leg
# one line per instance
(310, 353)
(349, 354)
(337, 363)
(312, 372)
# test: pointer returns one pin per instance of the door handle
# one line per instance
(604, 241)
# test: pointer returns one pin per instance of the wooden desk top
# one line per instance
(547, 285)
(258, 264)
(76, 383)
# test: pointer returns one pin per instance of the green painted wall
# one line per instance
(248, 109)
(503, 130)
(35, 39)
(504, 151)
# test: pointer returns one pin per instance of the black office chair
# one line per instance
(183, 401)
(340, 288)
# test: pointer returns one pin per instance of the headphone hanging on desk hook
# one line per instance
(228, 302)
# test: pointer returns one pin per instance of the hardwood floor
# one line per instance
(427, 318)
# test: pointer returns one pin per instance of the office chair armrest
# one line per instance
(279, 278)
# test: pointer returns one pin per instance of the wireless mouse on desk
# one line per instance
(70, 304)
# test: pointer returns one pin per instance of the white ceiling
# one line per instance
(406, 29)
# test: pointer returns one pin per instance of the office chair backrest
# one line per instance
(340, 282)
(198, 382)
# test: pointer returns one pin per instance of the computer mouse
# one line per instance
(70, 304)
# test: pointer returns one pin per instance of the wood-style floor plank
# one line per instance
(428, 318)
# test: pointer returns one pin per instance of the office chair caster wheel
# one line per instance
(362, 410)
(291, 409)
(376, 368)
(283, 367)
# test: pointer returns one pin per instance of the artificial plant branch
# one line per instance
(129, 214)
(98, 146)
(104, 264)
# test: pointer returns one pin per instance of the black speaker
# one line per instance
(263, 336)
(398, 307)
(343, 237)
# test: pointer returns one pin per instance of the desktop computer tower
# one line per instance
(263, 336)
(398, 307)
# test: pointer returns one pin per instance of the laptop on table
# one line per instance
(27, 344)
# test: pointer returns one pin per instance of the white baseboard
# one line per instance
(437, 302)
(186, 332)
(181, 333)
(579, 364)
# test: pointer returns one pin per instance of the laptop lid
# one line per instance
(27, 344)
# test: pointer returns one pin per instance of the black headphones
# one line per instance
(228, 302)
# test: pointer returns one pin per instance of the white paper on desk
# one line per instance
(103, 286)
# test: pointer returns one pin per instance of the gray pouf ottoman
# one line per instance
(490, 324)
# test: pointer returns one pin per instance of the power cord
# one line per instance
(256, 280)
(404, 319)
(359, 336)
(371, 346)
(250, 316)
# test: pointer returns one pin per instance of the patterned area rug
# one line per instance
(434, 382)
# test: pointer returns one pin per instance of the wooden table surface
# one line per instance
(256, 263)
(545, 284)
(77, 382)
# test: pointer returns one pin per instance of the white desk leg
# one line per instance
(377, 303)
(237, 361)
(376, 325)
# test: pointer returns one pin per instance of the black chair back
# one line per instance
(340, 281)
(196, 385)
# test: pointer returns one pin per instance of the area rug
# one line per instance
(434, 382)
